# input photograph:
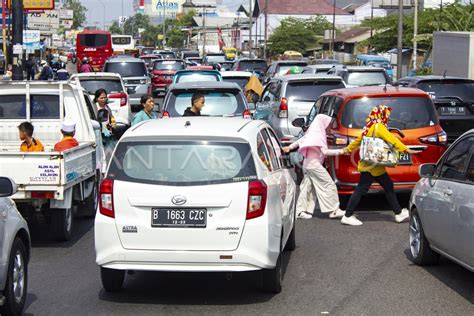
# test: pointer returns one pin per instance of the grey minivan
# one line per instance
(15, 248)
(135, 76)
(442, 207)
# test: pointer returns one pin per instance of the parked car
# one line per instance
(453, 98)
(224, 184)
(222, 99)
(163, 73)
(413, 120)
(189, 75)
(286, 98)
(15, 255)
(281, 67)
(442, 207)
(361, 76)
(239, 77)
(117, 94)
(135, 76)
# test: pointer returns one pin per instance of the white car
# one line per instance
(196, 194)
(239, 77)
(119, 101)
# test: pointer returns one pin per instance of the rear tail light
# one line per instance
(165, 115)
(283, 112)
(440, 138)
(257, 199)
(342, 140)
(42, 195)
(106, 198)
(247, 114)
(122, 96)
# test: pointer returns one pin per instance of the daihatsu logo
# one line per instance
(178, 200)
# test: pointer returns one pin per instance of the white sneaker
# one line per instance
(305, 215)
(337, 214)
(352, 221)
(404, 215)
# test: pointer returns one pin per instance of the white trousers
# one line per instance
(317, 183)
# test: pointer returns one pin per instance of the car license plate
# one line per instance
(452, 110)
(178, 217)
(404, 159)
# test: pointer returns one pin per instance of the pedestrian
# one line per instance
(106, 118)
(313, 146)
(68, 129)
(46, 72)
(197, 104)
(86, 67)
(62, 73)
(29, 144)
(376, 125)
(148, 103)
(30, 67)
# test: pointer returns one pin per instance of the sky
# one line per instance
(113, 9)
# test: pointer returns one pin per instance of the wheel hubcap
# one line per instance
(18, 277)
(415, 237)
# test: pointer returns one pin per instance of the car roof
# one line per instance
(374, 91)
(363, 68)
(290, 62)
(434, 77)
(170, 59)
(321, 66)
(128, 59)
(226, 74)
(194, 71)
(205, 85)
(251, 59)
(95, 75)
(228, 127)
(298, 77)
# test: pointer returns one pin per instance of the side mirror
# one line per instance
(130, 90)
(7, 187)
(298, 122)
(95, 125)
(427, 170)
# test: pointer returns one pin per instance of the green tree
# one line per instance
(297, 34)
(79, 12)
(175, 37)
(115, 28)
(138, 21)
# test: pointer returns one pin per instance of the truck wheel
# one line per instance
(17, 280)
(112, 279)
(272, 278)
(62, 220)
(89, 206)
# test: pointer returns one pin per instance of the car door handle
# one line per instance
(448, 192)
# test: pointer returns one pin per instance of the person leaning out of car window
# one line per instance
(148, 103)
(68, 129)
(376, 126)
(29, 144)
(197, 104)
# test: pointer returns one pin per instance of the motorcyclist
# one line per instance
(46, 72)
(62, 74)
(86, 67)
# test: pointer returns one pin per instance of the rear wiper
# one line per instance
(449, 97)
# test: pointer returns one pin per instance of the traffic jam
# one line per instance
(209, 163)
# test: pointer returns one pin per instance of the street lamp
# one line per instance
(103, 18)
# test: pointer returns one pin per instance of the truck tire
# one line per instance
(112, 279)
(62, 220)
(17, 280)
(89, 206)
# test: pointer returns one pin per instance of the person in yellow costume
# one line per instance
(253, 89)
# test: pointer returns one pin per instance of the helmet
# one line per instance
(85, 60)
(294, 70)
(43, 62)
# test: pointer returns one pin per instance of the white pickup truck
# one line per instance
(50, 183)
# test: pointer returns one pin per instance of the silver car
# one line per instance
(14, 252)
(135, 76)
(286, 98)
(442, 207)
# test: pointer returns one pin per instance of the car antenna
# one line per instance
(444, 74)
(385, 87)
(188, 123)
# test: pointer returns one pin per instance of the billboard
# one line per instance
(31, 40)
(166, 6)
(48, 21)
(35, 4)
(66, 14)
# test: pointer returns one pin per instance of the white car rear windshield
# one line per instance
(109, 85)
(366, 78)
(193, 77)
(182, 162)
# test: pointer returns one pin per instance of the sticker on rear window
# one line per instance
(169, 62)
(241, 179)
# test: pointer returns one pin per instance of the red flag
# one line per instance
(220, 39)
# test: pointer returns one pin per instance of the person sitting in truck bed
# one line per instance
(68, 129)
(29, 144)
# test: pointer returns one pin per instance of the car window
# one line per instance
(41, 107)
(262, 152)
(463, 90)
(309, 90)
(454, 164)
(182, 162)
(217, 102)
(110, 85)
(241, 81)
(269, 95)
(253, 65)
(366, 78)
(313, 112)
(168, 65)
(407, 112)
(91, 108)
(332, 106)
(127, 69)
(215, 59)
(470, 170)
(273, 149)
(283, 68)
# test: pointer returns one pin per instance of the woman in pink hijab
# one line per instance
(313, 146)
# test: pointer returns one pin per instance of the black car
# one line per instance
(251, 65)
(453, 98)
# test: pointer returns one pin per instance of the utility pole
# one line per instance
(204, 31)
(17, 39)
(400, 39)
(333, 35)
(250, 27)
(415, 33)
(4, 28)
(371, 21)
(122, 18)
(265, 31)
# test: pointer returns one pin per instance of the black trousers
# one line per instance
(30, 75)
(366, 180)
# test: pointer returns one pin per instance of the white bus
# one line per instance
(122, 42)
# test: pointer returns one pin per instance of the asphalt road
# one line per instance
(335, 269)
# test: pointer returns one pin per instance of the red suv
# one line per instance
(163, 73)
(413, 120)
